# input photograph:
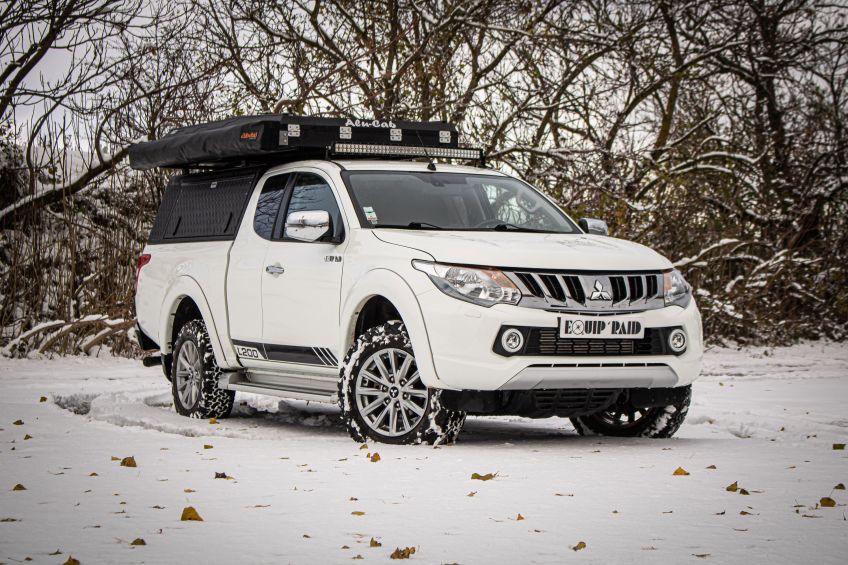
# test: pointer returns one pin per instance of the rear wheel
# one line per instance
(194, 375)
(622, 419)
(382, 397)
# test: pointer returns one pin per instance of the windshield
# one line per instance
(453, 201)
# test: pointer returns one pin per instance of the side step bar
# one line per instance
(237, 381)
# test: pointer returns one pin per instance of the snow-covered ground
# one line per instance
(302, 492)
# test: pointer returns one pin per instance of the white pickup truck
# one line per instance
(411, 294)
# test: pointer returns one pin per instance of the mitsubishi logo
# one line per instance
(599, 292)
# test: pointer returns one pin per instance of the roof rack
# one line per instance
(281, 138)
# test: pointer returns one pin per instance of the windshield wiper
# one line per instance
(513, 227)
(411, 226)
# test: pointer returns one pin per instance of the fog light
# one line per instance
(512, 340)
(677, 341)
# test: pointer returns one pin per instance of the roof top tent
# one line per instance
(280, 138)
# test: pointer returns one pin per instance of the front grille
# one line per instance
(587, 292)
(569, 402)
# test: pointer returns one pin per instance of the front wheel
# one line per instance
(194, 375)
(382, 397)
(622, 419)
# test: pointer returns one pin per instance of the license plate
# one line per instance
(600, 328)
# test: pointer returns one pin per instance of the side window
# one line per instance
(269, 204)
(311, 192)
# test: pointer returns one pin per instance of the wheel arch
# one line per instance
(185, 301)
(374, 295)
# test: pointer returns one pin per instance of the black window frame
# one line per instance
(283, 202)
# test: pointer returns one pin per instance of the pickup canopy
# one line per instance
(276, 138)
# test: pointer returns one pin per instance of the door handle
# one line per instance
(275, 270)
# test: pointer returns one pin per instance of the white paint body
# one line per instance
(315, 303)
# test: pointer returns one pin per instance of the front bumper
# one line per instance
(462, 335)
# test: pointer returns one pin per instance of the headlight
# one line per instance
(485, 287)
(676, 290)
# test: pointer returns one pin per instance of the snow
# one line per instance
(766, 418)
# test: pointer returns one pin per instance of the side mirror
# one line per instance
(593, 226)
(308, 226)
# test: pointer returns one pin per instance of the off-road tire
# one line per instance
(438, 425)
(212, 402)
(660, 422)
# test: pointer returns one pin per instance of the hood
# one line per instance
(529, 250)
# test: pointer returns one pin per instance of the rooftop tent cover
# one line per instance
(278, 136)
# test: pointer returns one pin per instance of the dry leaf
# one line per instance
(138, 541)
(374, 543)
(93, 474)
(743, 491)
(732, 487)
(115, 458)
(519, 517)
(712, 467)
(375, 457)
(128, 462)
(363, 446)
(701, 555)
(71, 561)
(357, 557)
(472, 493)
(345, 547)
(486, 477)
(207, 446)
(404, 553)
(21, 423)
(827, 502)
(223, 476)
(835, 445)
(190, 515)
(27, 436)
(353, 498)
(213, 420)
(43, 399)
(358, 513)
(19, 486)
(189, 490)
(720, 513)
(307, 536)
(680, 472)
(580, 545)
(840, 486)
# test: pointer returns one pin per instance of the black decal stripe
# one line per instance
(321, 356)
(292, 354)
(254, 344)
(320, 353)
(333, 360)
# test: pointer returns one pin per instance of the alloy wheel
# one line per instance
(389, 393)
(188, 374)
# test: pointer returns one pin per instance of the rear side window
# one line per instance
(203, 207)
(311, 192)
(268, 205)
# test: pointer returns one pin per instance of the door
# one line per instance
(247, 268)
(301, 291)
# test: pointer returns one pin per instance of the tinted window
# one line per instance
(453, 201)
(269, 204)
(311, 192)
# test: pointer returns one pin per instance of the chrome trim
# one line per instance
(593, 375)
(586, 292)
(308, 225)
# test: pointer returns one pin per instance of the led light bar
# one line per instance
(407, 151)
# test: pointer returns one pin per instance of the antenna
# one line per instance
(431, 166)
